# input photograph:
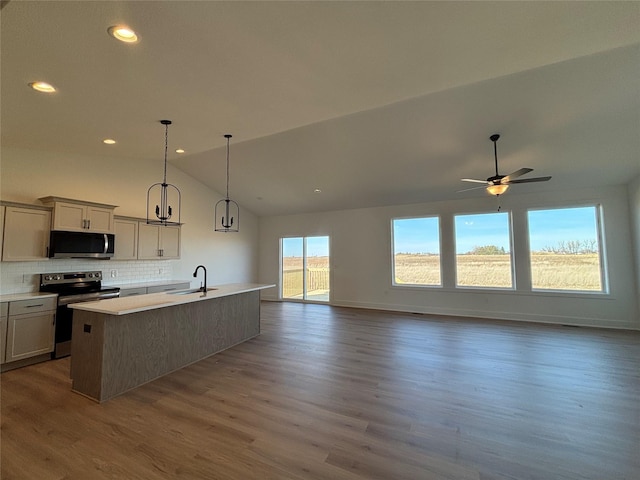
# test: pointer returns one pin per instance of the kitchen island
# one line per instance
(121, 343)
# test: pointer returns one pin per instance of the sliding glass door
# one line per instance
(305, 268)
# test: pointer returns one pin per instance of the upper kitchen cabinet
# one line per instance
(80, 216)
(158, 242)
(2, 208)
(26, 233)
(126, 230)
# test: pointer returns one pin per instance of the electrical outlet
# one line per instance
(160, 271)
(114, 273)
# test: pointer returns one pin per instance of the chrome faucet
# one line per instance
(195, 274)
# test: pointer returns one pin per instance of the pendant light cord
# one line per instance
(227, 136)
(166, 143)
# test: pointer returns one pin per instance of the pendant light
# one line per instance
(227, 211)
(166, 193)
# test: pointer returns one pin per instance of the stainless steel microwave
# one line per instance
(81, 245)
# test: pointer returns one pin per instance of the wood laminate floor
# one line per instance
(347, 394)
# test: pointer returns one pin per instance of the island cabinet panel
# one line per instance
(115, 353)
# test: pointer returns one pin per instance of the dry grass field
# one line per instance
(317, 276)
(295, 263)
(548, 271)
(566, 272)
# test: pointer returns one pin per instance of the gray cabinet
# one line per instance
(169, 287)
(165, 287)
(126, 231)
(30, 329)
(26, 234)
(130, 292)
(2, 208)
(4, 311)
(80, 216)
(158, 242)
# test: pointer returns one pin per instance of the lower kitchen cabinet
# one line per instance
(4, 309)
(168, 287)
(31, 328)
(130, 292)
(165, 287)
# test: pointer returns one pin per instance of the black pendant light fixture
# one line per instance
(227, 211)
(168, 195)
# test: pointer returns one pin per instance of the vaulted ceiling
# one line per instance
(373, 103)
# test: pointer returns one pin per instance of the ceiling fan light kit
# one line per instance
(497, 189)
(498, 184)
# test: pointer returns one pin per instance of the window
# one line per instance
(416, 251)
(483, 250)
(565, 249)
(305, 268)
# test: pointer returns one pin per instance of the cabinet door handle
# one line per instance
(33, 306)
(89, 224)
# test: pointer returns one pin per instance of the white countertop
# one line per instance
(141, 303)
(14, 297)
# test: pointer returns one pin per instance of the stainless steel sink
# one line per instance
(189, 292)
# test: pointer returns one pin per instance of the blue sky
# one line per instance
(416, 235)
(421, 235)
(316, 247)
(546, 229)
(481, 230)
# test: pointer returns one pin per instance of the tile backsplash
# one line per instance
(24, 277)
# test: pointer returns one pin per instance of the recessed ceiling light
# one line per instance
(109, 141)
(179, 150)
(123, 33)
(317, 190)
(43, 87)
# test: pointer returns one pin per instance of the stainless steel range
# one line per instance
(74, 287)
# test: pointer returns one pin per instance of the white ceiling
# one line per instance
(375, 103)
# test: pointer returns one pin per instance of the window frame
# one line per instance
(512, 259)
(600, 239)
(304, 298)
(393, 255)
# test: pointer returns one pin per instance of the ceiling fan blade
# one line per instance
(529, 180)
(474, 180)
(472, 188)
(515, 174)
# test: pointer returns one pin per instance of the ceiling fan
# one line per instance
(498, 184)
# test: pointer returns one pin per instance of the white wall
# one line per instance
(27, 175)
(634, 207)
(361, 261)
